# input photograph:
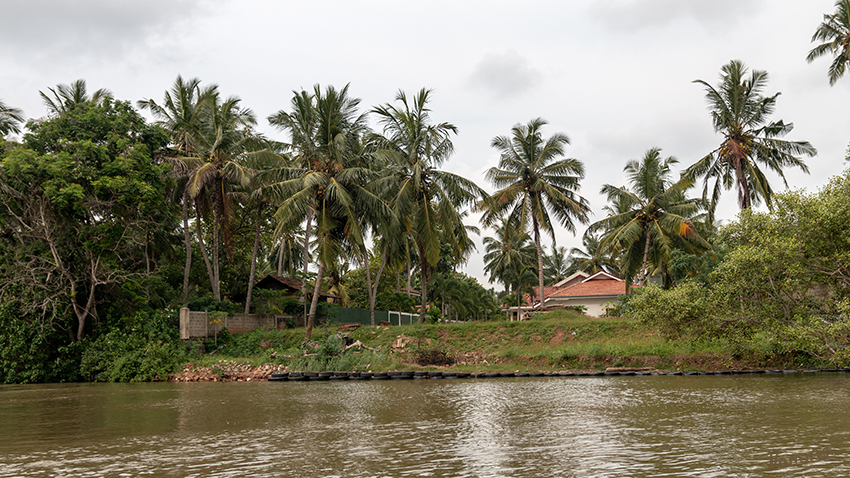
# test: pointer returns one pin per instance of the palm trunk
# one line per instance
(315, 302)
(305, 258)
(541, 292)
(423, 278)
(187, 240)
(254, 258)
(203, 247)
(373, 290)
(643, 272)
(280, 258)
(216, 285)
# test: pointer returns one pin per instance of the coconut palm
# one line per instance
(532, 180)
(181, 113)
(593, 258)
(10, 119)
(424, 198)
(834, 33)
(557, 265)
(333, 187)
(740, 112)
(66, 97)
(507, 253)
(216, 167)
(301, 123)
(654, 216)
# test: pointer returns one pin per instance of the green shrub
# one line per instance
(683, 311)
(143, 349)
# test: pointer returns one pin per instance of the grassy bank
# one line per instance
(559, 340)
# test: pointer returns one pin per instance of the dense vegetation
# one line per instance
(109, 223)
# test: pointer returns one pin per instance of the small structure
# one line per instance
(291, 287)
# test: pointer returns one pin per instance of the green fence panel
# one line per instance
(343, 315)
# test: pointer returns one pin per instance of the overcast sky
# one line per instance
(615, 75)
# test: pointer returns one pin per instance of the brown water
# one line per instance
(790, 425)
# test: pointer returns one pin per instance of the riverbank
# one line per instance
(560, 341)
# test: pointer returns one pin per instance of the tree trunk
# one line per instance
(315, 302)
(254, 258)
(541, 292)
(216, 284)
(423, 278)
(643, 272)
(187, 241)
(743, 186)
(203, 247)
(305, 258)
(280, 258)
(373, 291)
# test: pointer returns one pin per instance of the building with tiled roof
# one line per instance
(593, 293)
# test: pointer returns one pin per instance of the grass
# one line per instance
(557, 340)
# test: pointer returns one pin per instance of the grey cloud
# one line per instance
(37, 31)
(505, 74)
(645, 14)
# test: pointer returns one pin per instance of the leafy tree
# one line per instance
(64, 98)
(532, 180)
(10, 119)
(834, 32)
(424, 198)
(654, 216)
(81, 200)
(740, 112)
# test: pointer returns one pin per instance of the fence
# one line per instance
(343, 315)
(195, 324)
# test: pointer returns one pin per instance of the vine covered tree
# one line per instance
(740, 112)
(81, 199)
(533, 179)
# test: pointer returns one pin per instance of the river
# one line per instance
(783, 425)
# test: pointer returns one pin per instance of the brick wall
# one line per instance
(195, 324)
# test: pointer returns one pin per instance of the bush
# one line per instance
(679, 312)
(143, 348)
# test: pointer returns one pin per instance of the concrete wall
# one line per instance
(195, 324)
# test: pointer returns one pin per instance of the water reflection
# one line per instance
(790, 425)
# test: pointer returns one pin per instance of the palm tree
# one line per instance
(68, 97)
(424, 198)
(593, 258)
(532, 181)
(834, 32)
(333, 187)
(507, 253)
(740, 112)
(215, 166)
(10, 119)
(653, 218)
(302, 123)
(181, 114)
(557, 265)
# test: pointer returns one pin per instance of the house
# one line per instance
(580, 289)
(593, 292)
